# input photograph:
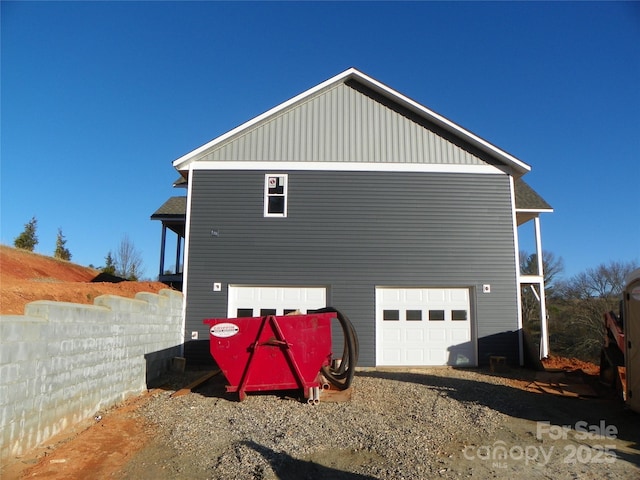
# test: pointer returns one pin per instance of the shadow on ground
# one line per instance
(288, 468)
(507, 399)
(536, 407)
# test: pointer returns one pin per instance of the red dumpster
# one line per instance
(273, 352)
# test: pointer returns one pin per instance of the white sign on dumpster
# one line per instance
(224, 330)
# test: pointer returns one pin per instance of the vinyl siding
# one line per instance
(343, 124)
(352, 232)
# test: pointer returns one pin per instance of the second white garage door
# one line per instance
(424, 326)
(256, 301)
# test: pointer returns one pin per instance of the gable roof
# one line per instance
(475, 150)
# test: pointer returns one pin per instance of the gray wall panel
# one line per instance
(352, 232)
(337, 125)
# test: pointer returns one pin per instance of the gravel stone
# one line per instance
(409, 424)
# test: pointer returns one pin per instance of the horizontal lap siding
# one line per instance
(352, 232)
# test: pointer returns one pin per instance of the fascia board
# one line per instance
(346, 167)
(534, 210)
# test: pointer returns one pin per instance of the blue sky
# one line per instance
(98, 98)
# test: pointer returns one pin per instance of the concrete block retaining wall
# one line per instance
(60, 363)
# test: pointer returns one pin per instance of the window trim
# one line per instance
(267, 195)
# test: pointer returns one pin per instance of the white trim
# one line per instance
(544, 329)
(185, 267)
(348, 167)
(534, 210)
(182, 162)
(533, 279)
(516, 243)
(285, 190)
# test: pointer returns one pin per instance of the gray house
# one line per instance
(355, 196)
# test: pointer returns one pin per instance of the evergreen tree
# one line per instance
(110, 266)
(61, 251)
(28, 239)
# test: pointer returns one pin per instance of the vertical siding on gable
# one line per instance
(352, 232)
(341, 124)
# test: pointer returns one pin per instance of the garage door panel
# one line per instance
(414, 335)
(435, 295)
(459, 335)
(415, 297)
(424, 326)
(389, 296)
(392, 335)
(415, 356)
(437, 357)
(392, 356)
(268, 299)
(459, 295)
(437, 335)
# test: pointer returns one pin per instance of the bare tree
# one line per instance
(581, 302)
(552, 267)
(128, 260)
(603, 281)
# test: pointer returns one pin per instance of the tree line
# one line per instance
(575, 306)
(126, 262)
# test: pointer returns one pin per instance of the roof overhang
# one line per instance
(517, 166)
(523, 215)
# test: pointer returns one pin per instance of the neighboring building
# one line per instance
(355, 196)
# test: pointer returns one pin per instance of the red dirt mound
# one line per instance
(26, 277)
(570, 364)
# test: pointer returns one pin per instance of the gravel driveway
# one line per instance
(417, 424)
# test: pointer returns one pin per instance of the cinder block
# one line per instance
(27, 351)
(10, 434)
(6, 349)
(173, 295)
(63, 331)
(121, 304)
(4, 396)
(7, 415)
(10, 373)
(64, 312)
(17, 393)
(18, 328)
(152, 299)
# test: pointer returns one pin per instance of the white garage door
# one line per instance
(424, 326)
(252, 301)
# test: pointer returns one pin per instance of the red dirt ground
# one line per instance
(570, 364)
(26, 277)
